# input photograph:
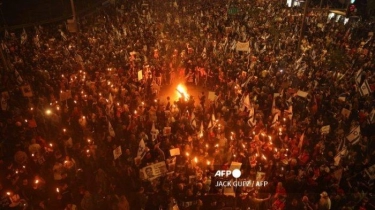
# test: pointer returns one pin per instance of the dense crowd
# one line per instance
(83, 125)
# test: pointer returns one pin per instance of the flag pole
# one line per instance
(303, 25)
(4, 61)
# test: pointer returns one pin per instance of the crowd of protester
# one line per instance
(303, 116)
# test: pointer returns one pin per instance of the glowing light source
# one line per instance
(48, 112)
(182, 93)
(264, 157)
(201, 135)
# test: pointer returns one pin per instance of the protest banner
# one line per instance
(302, 94)
(154, 171)
(242, 46)
(325, 129)
(174, 152)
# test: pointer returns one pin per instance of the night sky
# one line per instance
(17, 12)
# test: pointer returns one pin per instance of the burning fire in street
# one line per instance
(182, 93)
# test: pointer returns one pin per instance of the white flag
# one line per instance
(371, 117)
(365, 89)
(252, 122)
(117, 152)
(246, 102)
(300, 143)
(154, 132)
(210, 125)
(358, 76)
(63, 36)
(110, 99)
(341, 145)
(110, 130)
(370, 171)
(251, 113)
(354, 135)
(213, 118)
(289, 112)
(141, 149)
(325, 129)
(193, 121)
(274, 109)
(204, 53)
(337, 160)
(23, 37)
(275, 119)
(18, 77)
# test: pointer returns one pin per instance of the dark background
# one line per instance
(24, 13)
(30, 12)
